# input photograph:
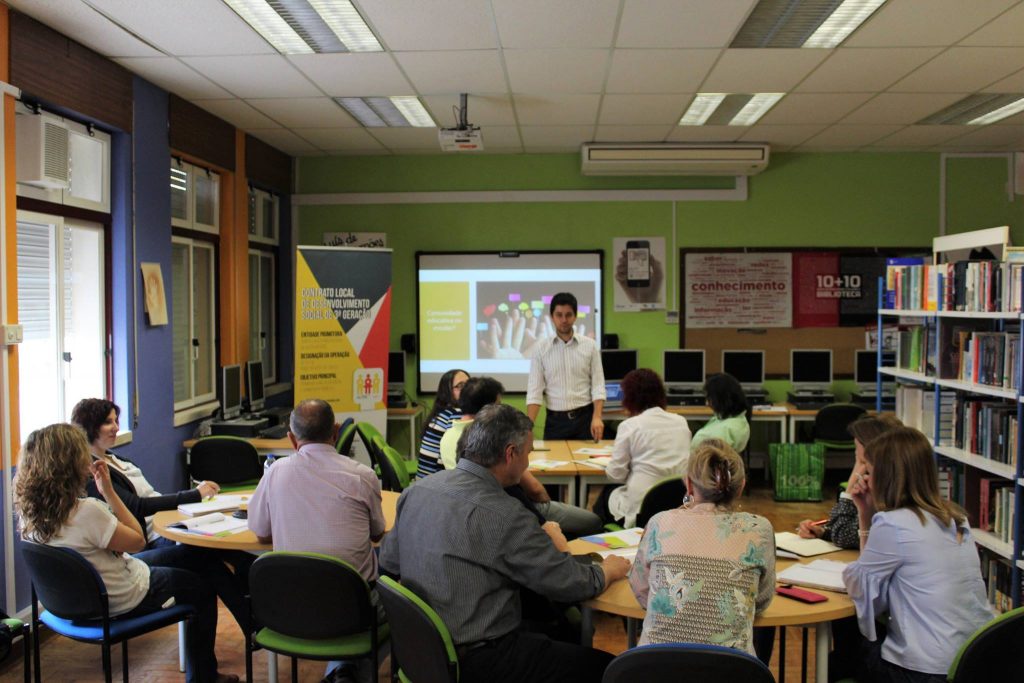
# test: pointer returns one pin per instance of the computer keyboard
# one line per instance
(276, 432)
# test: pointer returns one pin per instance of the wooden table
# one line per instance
(563, 475)
(619, 599)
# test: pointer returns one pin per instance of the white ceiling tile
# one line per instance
(643, 109)
(578, 71)
(354, 74)
(751, 70)
(865, 69)
(552, 138)
(334, 139)
(305, 112)
(632, 133)
(454, 71)
(193, 28)
(1010, 84)
(813, 108)
(286, 141)
(781, 136)
(851, 136)
(87, 26)
(238, 113)
(174, 76)
(501, 137)
(659, 71)
(902, 107)
(911, 23)
(963, 69)
(1010, 138)
(403, 139)
(483, 109)
(254, 76)
(681, 23)
(433, 25)
(706, 133)
(555, 23)
(552, 109)
(921, 136)
(1005, 30)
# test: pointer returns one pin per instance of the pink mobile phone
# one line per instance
(800, 594)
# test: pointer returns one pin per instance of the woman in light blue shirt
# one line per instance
(917, 562)
(726, 398)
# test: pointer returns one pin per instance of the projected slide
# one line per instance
(488, 314)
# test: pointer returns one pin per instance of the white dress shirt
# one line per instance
(568, 373)
(649, 447)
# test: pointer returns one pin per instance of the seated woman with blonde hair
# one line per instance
(705, 570)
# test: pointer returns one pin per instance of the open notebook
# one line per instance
(823, 574)
(804, 547)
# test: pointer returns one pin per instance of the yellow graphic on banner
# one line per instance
(325, 359)
(445, 324)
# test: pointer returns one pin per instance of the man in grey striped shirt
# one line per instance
(566, 371)
(466, 547)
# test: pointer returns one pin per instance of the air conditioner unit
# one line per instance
(42, 151)
(671, 158)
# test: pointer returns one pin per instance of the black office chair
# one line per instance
(992, 651)
(667, 662)
(77, 607)
(831, 425)
(232, 462)
(664, 495)
(420, 642)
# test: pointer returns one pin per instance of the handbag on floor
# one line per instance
(798, 470)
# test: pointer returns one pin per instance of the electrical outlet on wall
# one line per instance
(13, 334)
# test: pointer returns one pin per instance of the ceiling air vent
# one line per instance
(606, 158)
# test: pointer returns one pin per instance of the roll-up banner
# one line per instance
(342, 330)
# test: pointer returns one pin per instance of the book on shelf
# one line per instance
(895, 269)
(966, 285)
(998, 576)
(915, 407)
(985, 427)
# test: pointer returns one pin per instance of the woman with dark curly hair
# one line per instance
(726, 398)
(651, 445)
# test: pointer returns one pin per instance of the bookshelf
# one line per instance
(959, 371)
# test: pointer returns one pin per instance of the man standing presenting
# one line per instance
(567, 369)
(466, 547)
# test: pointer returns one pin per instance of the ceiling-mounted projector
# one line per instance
(464, 137)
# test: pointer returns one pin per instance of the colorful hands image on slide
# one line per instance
(640, 295)
(512, 318)
(513, 334)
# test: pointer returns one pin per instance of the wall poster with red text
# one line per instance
(738, 290)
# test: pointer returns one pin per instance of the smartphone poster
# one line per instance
(639, 264)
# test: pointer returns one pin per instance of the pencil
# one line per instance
(820, 522)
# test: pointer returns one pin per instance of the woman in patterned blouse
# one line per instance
(704, 570)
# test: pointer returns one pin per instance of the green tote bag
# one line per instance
(798, 470)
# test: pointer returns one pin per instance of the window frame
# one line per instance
(258, 217)
(190, 221)
(197, 402)
(269, 374)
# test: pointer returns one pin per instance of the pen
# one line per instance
(820, 522)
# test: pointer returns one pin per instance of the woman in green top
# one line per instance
(726, 398)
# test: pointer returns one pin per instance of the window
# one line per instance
(61, 295)
(264, 208)
(262, 341)
(195, 197)
(193, 310)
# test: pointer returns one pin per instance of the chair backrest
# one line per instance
(65, 582)
(831, 422)
(699, 662)
(992, 651)
(346, 435)
(664, 495)
(226, 460)
(397, 466)
(367, 432)
(390, 479)
(419, 639)
(308, 595)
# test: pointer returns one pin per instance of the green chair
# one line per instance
(311, 606)
(397, 463)
(345, 438)
(232, 462)
(421, 647)
(831, 426)
(9, 629)
(390, 469)
(993, 652)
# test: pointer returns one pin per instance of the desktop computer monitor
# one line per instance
(746, 366)
(810, 369)
(683, 368)
(230, 391)
(865, 369)
(617, 363)
(254, 385)
(396, 372)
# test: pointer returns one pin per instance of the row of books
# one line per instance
(996, 507)
(915, 407)
(974, 286)
(998, 576)
(917, 349)
(984, 427)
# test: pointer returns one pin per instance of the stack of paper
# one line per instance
(215, 504)
(628, 538)
(539, 445)
(546, 464)
(824, 574)
(214, 524)
(804, 547)
(594, 450)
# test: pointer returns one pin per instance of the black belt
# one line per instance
(572, 414)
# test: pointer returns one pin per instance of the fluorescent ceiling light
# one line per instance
(736, 109)
(977, 110)
(803, 23)
(383, 112)
(306, 26)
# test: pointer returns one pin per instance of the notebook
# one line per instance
(614, 540)
(215, 504)
(213, 524)
(824, 574)
(804, 547)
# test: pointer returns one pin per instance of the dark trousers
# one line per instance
(880, 671)
(521, 656)
(187, 588)
(573, 424)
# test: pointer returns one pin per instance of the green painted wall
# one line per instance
(801, 200)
